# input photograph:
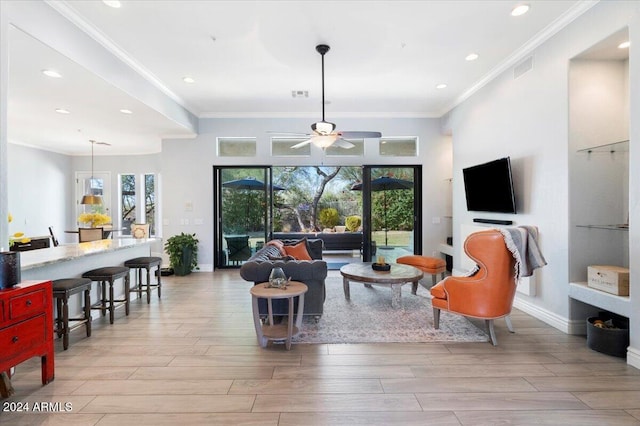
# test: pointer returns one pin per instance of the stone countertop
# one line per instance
(67, 252)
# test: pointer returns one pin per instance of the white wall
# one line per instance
(527, 119)
(187, 168)
(633, 356)
(39, 191)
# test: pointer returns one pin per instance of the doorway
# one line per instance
(95, 184)
(392, 211)
(243, 212)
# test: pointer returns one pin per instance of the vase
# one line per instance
(9, 269)
(277, 278)
(184, 268)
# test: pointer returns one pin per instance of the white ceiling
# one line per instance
(386, 59)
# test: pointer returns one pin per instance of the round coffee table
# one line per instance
(394, 278)
(271, 331)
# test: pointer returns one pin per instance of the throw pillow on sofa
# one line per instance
(299, 250)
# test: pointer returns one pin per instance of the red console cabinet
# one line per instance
(26, 326)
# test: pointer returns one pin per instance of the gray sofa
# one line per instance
(313, 273)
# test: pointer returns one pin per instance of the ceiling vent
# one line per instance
(525, 66)
(300, 93)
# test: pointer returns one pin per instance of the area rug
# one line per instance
(369, 318)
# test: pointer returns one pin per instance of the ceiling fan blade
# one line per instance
(288, 133)
(343, 143)
(301, 144)
(358, 135)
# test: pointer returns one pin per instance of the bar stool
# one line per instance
(110, 274)
(147, 263)
(62, 289)
(428, 265)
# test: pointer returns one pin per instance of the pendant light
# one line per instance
(89, 198)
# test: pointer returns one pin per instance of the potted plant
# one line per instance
(183, 253)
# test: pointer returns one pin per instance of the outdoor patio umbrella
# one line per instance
(249, 184)
(385, 183)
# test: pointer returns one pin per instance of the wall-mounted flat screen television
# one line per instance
(489, 187)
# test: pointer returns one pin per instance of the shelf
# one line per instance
(620, 146)
(620, 305)
(609, 227)
(445, 249)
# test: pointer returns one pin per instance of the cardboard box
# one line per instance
(611, 279)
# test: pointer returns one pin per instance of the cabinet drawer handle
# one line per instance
(29, 302)
(15, 339)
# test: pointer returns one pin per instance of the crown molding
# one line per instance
(526, 49)
(314, 115)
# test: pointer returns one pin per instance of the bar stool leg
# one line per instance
(59, 326)
(65, 321)
(126, 294)
(87, 310)
(159, 275)
(111, 307)
(103, 302)
(148, 284)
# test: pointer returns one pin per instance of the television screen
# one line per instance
(489, 187)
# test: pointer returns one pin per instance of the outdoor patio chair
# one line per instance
(238, 248)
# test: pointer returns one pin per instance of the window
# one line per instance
(284, 147)
(127, 203)
(150, 202)
(399, 146)
(236, 147)
(138, 201)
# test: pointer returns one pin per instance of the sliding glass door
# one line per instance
(370, 210)
(391, 199)
(243, 209)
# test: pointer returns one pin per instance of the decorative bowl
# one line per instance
(381, 267)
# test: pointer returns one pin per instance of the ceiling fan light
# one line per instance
(323, 127)
(324, 141)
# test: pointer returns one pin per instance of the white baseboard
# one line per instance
(633, 357)
(556, 321)
(206, 267)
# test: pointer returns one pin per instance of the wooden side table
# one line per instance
(271, 331)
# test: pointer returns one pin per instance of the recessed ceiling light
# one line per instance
(520, 9)
(441, 86)
(52, 73)
(112, 3)
(62, 111)
(624, 45)
(471, 57)
(126, 111)
(188, 80)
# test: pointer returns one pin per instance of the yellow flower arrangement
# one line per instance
(94, 219)
(18, 237)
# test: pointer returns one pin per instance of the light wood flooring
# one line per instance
(192, 358)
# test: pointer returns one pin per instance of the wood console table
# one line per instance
(26, 329)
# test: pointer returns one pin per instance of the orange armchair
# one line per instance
(488, 294)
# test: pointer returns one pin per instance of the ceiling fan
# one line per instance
(324, 132)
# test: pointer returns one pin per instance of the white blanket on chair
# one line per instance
(522, 242)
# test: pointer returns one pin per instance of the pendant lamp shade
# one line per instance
(90, 198)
